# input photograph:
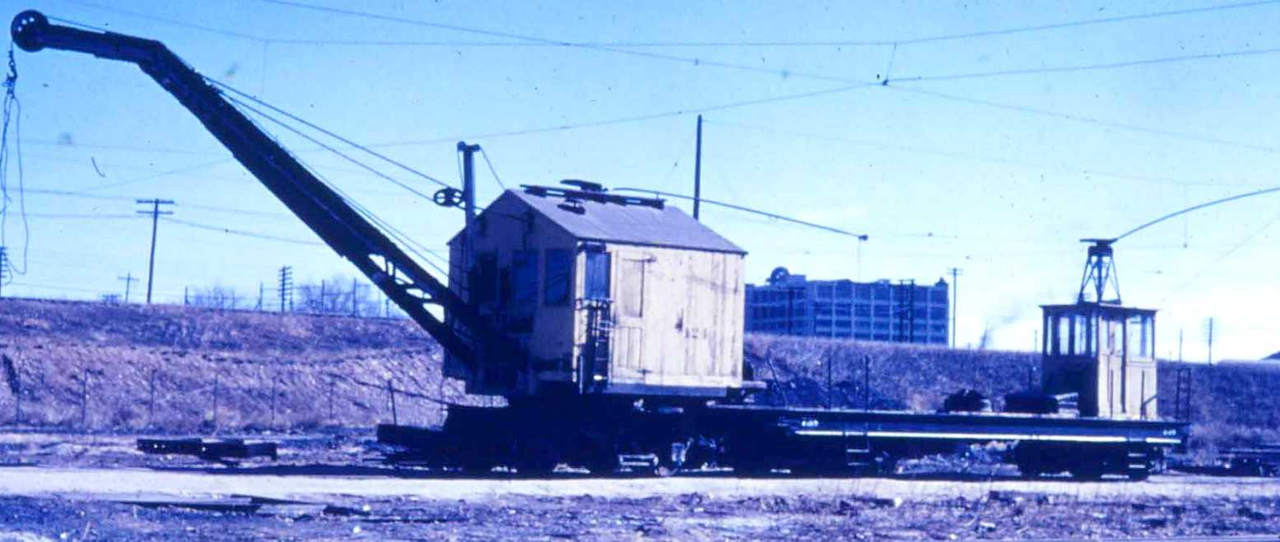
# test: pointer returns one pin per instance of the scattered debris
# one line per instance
(210, 450)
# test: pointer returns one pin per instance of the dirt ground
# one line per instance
(334, 486)
(691, 516)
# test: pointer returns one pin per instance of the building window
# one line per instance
(597, 275)
(484, 279)
(558, 264)
(631, 288)
(524, 278)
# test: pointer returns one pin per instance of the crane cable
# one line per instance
(330, 133)
(12, 112)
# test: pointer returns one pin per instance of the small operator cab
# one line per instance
(1106, 354)
(608, 294)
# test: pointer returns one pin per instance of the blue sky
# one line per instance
(950, 165)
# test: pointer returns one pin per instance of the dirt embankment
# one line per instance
(180, 369)
(1231, 403)
(177, 369)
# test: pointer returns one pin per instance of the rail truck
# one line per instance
(612, 326)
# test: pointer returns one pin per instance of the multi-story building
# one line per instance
(880, 311)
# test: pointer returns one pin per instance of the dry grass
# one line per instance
(54, 345)
(105, 357)
(1232, 404)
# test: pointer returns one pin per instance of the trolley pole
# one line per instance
(155, 213)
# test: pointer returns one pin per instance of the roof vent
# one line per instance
(585, 186)
(586, 191)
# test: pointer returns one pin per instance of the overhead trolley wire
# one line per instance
(1085, 119)
(1090, 67)
(919, 78)
(775, 216)
(521, 42)
(963, 156)
(637, 118)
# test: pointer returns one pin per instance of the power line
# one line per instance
(964, 156)
(243, 233)
(61, 145)
(89, 216)
(521, 42)
(1085, 119)
(693, 61)
(155, 18)
(1090, 67)
(1218, 259)
(638, 118)
(859, 236)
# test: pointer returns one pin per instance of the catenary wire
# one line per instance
(1083, 119)
(859, 236)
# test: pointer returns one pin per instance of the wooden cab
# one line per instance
(1104, 352)
(608, 294)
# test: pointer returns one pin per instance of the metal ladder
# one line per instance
(1137, 461)
(1182, 395)
(857, 451)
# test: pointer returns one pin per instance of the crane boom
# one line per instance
(339, 225)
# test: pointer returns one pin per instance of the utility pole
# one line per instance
(128, 279)
(468, 204)
(955, 291)
(5, 275)
(286, 287)
(155, 213)
(355, 288)
(1210, 340)
(697, 172)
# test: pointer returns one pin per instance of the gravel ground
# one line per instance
(691, 516)
(332, 486)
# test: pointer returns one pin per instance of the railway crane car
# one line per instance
(612, 326)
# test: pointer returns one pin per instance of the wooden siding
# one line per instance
(677, 314)
(677, 317)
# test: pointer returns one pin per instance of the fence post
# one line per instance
(331, 399)
(272, 423)
(395, 420)
(15, 385)
(151, 398)
(866, 382)
(830, 391)
(84, 398)
(215, 401)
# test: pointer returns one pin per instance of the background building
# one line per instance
(882, 311)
